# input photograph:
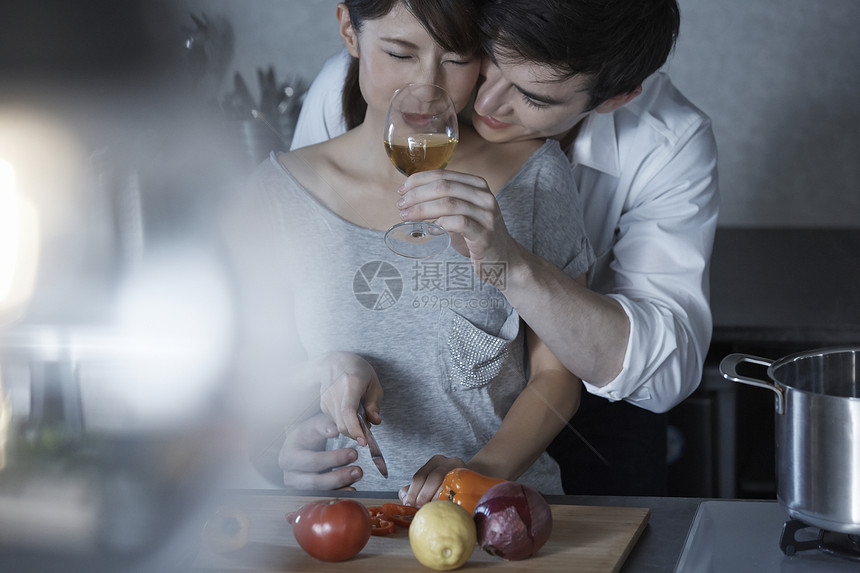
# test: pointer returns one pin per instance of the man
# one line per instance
(644, 160)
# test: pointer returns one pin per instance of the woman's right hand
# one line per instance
(427, 482)
(346, 382)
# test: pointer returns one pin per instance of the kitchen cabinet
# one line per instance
(773, 292)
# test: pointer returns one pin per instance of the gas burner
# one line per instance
(839, 544)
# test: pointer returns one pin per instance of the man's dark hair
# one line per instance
(618, 43)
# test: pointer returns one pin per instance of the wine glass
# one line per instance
(421, 132)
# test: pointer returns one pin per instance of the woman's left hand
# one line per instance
(464, 206)
(427, 482)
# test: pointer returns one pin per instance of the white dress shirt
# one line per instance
(321, 116)
(647, 173)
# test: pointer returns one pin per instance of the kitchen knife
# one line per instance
(375, 452)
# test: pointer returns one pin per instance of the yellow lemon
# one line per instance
(442, 535)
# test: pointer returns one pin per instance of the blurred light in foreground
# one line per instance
(117, 431)
(161, 365)
(19, 245)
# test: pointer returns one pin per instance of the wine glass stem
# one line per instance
(418, 230)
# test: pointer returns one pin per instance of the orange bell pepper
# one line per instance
(465, 487)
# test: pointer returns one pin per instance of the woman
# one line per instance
(446, 349)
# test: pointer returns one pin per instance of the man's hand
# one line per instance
(463, 205)
(306, 464)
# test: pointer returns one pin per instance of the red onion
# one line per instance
(513, 521)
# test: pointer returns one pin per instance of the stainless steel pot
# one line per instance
(817, 404)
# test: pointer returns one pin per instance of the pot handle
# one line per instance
(729, 370)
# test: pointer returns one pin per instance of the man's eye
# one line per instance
(534, 104)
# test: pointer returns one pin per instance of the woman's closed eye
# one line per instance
(459, 62)
(454, 61)
(397, 56)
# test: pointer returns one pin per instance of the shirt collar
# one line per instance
(596, 145)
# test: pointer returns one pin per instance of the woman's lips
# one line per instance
(492, 122)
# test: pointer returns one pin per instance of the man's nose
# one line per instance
(489, 97)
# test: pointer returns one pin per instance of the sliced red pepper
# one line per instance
(401, 515)
(379, 522)
(379, 526)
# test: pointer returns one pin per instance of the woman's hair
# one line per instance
(618, 43)
(453, 24)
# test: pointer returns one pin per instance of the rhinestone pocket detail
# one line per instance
(477, 357)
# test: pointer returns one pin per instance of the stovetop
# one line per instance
(741, 536)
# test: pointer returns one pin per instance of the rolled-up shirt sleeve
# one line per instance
(660, 274)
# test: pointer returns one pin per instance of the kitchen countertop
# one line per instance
(670, 534)
(676, 527)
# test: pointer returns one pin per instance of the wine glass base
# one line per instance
(417, 239)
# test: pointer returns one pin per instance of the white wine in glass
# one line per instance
(421, 133)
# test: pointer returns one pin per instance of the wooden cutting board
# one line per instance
(587, 539)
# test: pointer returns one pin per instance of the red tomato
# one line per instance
(332, 529)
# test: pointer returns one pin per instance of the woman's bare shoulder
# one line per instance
(325, 159)
(302, 157)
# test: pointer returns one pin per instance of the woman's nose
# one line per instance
(428, 75)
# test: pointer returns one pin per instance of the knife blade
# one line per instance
(375, 452)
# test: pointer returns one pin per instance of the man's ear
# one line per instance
(347, 30)
(614, 103)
